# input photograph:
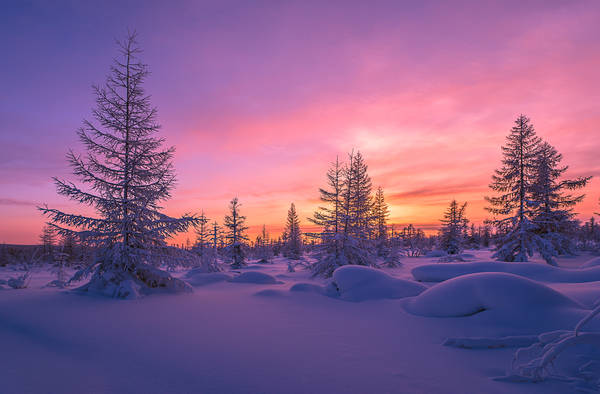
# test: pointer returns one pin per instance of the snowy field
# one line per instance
(264, 330)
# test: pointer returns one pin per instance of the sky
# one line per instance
(259, 98)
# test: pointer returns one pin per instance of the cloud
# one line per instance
(11, 201)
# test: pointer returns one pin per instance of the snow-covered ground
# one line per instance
(368, 333)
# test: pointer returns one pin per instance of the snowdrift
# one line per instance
(125, 285)
(255, 277)
(201, 277)
(509, 297)
(535, 271)
(360, 283)
(591, 263)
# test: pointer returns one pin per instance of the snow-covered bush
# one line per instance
(20, 282)
(539, 361)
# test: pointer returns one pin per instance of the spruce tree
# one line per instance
(454, 223)
(126, 175)
(263, 246)
(293, 243)
(215, 238)
(329, 218)
(359, 202)
(48, 240)
(235, 233)
(347, 222)
(553, 205)
(202, 235)
(380, 214)
(514, 206)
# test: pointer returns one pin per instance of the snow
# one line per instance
(546, 273)
(491, 343)
(255, 277)
(201, 278)
(508, 298)
(360, 283)
(292, 338)
(592, 263)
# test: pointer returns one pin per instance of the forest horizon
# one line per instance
(429, 112)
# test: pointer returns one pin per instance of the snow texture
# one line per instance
(507, 296)
(544, 273)
(359, 283)
(255, 277)
(198, 278)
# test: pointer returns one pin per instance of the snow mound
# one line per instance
(591, 263)
(201, 278)
(359, 283)
(509, 296)
(145, 280)
(535, 271)
(255, 277)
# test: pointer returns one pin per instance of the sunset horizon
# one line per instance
(267, 132)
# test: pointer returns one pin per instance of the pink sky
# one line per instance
(259, 100)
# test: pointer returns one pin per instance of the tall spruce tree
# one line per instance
(215, 237)
(126, 175)
(346, 224)
(514, 205)
(235, 233)
(553, 206)
(202, 236)
(329, 218)
(293, 242)
(380, 214)
(359, 201)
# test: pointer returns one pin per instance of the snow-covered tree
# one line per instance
(472, 237)
(216, 237)
(329, 218)
(264, 250)
(514, 206)
(358, 202)
(202, 236)
(126, 175)
(486, 235)
(48, 240)
(293, 241)
(453, 226)
(553, 206)
(412, 241)
(380, 214)
(70, 247)
(235, 233)
(346, 221)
